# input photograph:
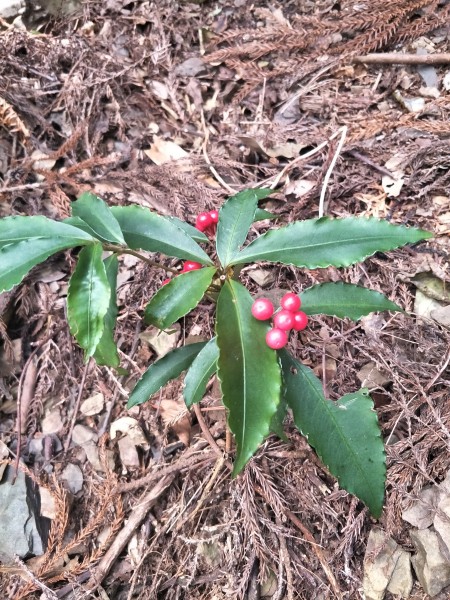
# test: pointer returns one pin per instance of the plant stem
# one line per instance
(148, 261)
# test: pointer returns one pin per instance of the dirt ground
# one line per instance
(100, 96)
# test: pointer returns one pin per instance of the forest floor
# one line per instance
(175, 106)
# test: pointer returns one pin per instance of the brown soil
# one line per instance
(244, 89)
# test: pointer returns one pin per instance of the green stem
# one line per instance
(148, 261)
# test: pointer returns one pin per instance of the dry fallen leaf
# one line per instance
(175, 416)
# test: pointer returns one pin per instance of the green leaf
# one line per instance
(178, 297)
(16, 260)
(235, 219)
(345, 434)
(88, 298)
(276, 424)
(192, 231)
(262, 215)
(248, 371)
(203, 367)
(344, 300)
(106, 351)
(323, 242)
(147, 230)
(163, 370)
(97, 214)
(18, 229)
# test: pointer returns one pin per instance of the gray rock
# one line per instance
(441, 315)
(52, 422)
(381, 556)
(82, 435)
(401, 582)
(21, 527)
(128, 453)
(73, 477)
(421, 512)
(93, 405)
(431, 566)
(442, 523)
(262, 277)
(191, 67)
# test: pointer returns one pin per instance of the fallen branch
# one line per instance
(396, 58)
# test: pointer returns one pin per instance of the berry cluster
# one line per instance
(289, 317)
(207, 221)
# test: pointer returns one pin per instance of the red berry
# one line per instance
(276, 338)
(284, 320)
(165, 282)
(214, 214)
(190, 265)
(262, 309)
(300, 320)
(291, 302)
(203, 221)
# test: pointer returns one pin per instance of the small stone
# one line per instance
(48, 506)
(442, 521)
(72, 475)
(441, 315)
(93, 405)
(379, 564)
(132, 429)
(429, 92)
(162, 342)
(446, 82)
(93, 456)
(128, 453)
(422, 511)
(52, 422)
(401, 582)
(191, 67)
(371, 377)
(431, 566)
(82, 435)
(262, 277)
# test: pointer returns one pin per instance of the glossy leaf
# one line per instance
(323, 242)
(97, 214)
(163, 370)
(344, 300)
(143, 229)
(262, 215)
(235, 219)
(16, 260)
(276, 424)
(178, 297)
(106, 351)
(192, 231)
(88, 298)
(18, 229)
(248, 371)
(345, 434)
(203, 367)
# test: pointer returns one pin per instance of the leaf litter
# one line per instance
(171, 106)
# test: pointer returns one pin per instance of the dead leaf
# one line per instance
(162, 151)
(175, 416)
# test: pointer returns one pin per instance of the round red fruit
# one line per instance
(203, 221)
(190, 265)
(300, 320)
(262, 309)
(165, 282)
(214, 214)
(291, 302)
(276, 339)
(284, 320)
